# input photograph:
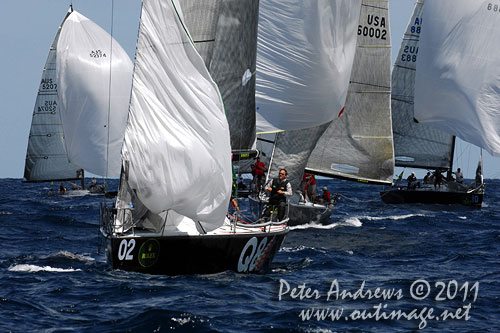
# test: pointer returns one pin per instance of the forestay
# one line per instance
(176, 147)
(458, 78)
(358, 144)
(225, 34)
(304, 59)
(93, 110)
(46, 157)
(415, 144)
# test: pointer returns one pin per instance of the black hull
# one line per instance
(402, 196)
(302, 214)
(204, 254)
(298, 214)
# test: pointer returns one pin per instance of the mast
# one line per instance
(448, 174)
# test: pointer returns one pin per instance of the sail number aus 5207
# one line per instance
(125, 249)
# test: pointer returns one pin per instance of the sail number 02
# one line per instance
(125, 249)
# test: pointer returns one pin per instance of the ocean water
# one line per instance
(374, 268)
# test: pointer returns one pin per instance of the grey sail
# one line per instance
(46, 157)
(358, 145)
(292, 150)
(415, 144)
(225, 35)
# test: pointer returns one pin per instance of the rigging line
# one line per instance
(109, 88)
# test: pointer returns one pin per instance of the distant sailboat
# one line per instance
(424, 144)
(170, 213)
(46, 157)
(78, 109)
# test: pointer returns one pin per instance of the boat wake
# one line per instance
(313, 225)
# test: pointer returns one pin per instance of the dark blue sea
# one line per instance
(375, 268)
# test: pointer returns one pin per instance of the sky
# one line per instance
(28, 28)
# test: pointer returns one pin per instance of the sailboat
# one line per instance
(46, 157)
(170, 215)
(357, 144)
(74, 115)
(419, 143)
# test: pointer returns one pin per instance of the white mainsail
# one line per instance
(304, 60)
(177, 147)
(416, 145)
(358, 144)
(457, 86)
(93, 110)
(46, 157)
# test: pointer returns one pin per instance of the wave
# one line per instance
(390, 217)
(35, 268)
(69, 255)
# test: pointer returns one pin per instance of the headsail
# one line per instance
(304, 59)
(358, 144)
(415, 144)
(93, 110)
(225, 35)
(458, 79)
(46, 157)
(177, 147)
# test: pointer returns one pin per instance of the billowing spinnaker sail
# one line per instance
(358, 144)
(177, 138)
(415, 144)
(225, 34)
(304, 59)
(93, 112)
(457, 86)
(46, 157)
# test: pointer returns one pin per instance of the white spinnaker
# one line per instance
(177, 140)
(83, 74)
(304, 59)
(457, 86)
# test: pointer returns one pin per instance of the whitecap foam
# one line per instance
(35, 268)
(292, 249)
(5, 213)
(181, 321)
(313, 225)
(390, 217)
(463, 217)
(353, 222)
